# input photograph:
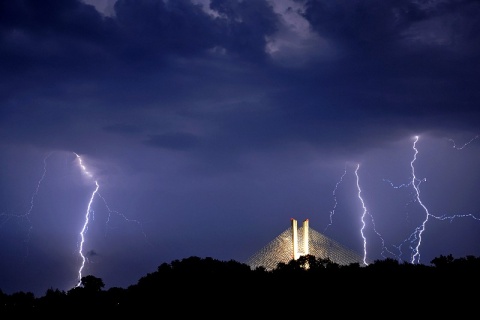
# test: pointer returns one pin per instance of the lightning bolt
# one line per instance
(464, 145)
(364, 213)
(87, 219)
(26, 215)
(110, 212)
(404, 185)
(416, 186)
(87, 214)
(415, 238)
(455, 216)
(458, 216)
(384, 247)
(332, 212)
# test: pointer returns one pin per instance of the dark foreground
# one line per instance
(307, 287)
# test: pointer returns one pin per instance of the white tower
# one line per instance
(294, 239)
(296, 254)
(306, 231)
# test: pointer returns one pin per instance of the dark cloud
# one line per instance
(399, 62)
(153, 29)
(394, 63)
(62, 39)
(92, 253)
(244, 25)
(362, 26)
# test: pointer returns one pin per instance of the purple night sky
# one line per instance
(208, 124)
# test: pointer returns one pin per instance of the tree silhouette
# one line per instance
(92, 283)
(199, 282)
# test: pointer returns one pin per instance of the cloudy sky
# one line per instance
(207, 125)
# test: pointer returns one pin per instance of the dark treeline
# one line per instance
(201, 284)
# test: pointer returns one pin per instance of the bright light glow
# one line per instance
(280, 249)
